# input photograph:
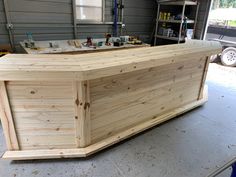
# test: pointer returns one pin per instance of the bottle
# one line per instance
(161, 16)
(168, 16)
(165, 16)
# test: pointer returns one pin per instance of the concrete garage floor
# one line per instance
(191, 145)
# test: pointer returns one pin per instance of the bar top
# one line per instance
(96, 65)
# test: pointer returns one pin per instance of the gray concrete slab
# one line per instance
(191, 145)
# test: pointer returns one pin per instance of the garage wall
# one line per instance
(3, 32)
(139, 17)
(48, 19)
(53, 19)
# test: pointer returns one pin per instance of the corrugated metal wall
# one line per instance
(53, 19)
(46, 19)
(139, 17)
(3, 31)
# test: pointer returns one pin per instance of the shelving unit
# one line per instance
(175, 21)
(169, 38)
(180, 38)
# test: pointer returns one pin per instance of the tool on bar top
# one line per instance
(76, 43)
(117, 41)
(30, 43)
(89, 42)
(134, 40)
(54, 44)
(108, 36)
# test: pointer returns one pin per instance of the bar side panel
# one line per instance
(123, 101)
(43, 114)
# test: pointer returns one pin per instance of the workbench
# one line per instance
(65, 48)
(62, 106)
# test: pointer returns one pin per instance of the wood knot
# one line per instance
(86, 105)
(76, 117)
(150, 69)
(180, 68)
(113, 81)
(109, 133)
(77, 102)
(32, 92)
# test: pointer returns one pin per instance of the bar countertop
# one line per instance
(96, 65)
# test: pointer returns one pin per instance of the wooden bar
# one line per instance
(61, 106)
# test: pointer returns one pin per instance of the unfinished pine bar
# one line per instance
(63, 106)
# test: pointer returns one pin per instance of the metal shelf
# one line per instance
(178, 3)
(175, 21)
(183, 3)
(169, 38)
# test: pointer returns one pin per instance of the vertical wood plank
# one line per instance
(7, 119)
(206, 66)
(82, 113)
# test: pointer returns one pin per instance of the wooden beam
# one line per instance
(7, 119)
(83, 152)
(82, 113)
(200, 95)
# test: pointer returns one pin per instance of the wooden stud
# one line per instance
(207, 62)
(82, 113)
(7, 119)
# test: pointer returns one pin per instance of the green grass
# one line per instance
(232, 23)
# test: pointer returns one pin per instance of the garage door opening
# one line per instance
(222, 28)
